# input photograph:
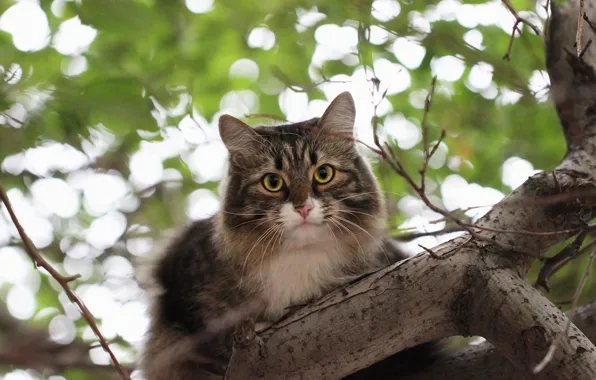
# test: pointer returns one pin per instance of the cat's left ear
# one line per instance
(238, 136)
(339, 117)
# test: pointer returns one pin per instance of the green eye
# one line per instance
(324, 174)
(272, 182)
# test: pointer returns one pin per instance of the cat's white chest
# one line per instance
(297, 276)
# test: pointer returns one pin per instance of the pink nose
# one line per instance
(304, 210)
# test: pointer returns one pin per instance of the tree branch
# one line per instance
(518, 20)
(482, 289)
(483, 361)
(62, 280)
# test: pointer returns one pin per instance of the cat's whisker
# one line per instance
(333, 235)
(365, 193)
(267, 232)
(270, 240)
(358, 212)
(339, 223)
(249, 221)
(366, 232)
(281, 235)
(352, 196)
(402, 194)
(330, 219)
(355, 225)
(276, 236)
(261, 224)
(262, 220)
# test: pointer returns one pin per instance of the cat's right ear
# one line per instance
(340, 116)
(238, 136)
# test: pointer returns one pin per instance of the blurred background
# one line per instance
(108, 135)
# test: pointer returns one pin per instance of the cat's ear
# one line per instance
(339, 117)
(238, 136)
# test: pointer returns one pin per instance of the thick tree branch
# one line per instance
(483, 361)
(477, 284)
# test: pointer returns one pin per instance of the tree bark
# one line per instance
(479, 362)
(483, 361)
(477, 286)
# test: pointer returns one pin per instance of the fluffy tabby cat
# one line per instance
(301, 214)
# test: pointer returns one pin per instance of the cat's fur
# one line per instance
(256, 254)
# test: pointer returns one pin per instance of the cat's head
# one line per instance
(297, 185)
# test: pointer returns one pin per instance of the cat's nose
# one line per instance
(303, 210)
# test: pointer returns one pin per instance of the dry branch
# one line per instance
(518, 20)
(62, 281)
(580, 24)
(552, 264)
(405, 237)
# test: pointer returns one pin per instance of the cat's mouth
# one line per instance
(306, 225)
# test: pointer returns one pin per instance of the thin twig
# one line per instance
(62, 280)
(13, 74)
(585, 49)
(307, 87)
(427, 154)
(590, 24)
(552, 264)
(447, 254)
(430, 252)
(398, 168)
(573, 231)
(580, 26)
(518, 20)
(512, 10)
(507, 55)
(578, 291)
(20, 122)
(265, 116)
(546, 7)
(415, 235)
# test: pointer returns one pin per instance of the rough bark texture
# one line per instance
(484, 362)
(28, 347)
(478, 287)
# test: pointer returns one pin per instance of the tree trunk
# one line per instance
(477, 286)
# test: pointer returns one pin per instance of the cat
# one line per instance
(301, 214)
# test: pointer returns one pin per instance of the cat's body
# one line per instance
(301, 214)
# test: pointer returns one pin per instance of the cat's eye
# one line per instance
(272, 182)
(324, 174)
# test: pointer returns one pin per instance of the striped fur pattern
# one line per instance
(259, 247)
